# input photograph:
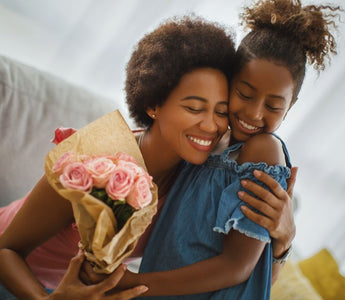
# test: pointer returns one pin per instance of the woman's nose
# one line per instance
(209, 124)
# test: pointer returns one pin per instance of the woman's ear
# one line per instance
(151, 112)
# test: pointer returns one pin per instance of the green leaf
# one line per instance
(122, 213)
(100, 194)
(122, 210)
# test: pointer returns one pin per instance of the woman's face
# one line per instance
(194, 116)
(260, 97)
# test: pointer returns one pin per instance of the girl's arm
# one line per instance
(233, 266)
(277, 209)
(42, 215)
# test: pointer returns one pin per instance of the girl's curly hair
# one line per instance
(288, 33)
(163, 56)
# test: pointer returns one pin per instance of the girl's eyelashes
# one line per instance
(242, 95)
(268, 106)
(274, 109)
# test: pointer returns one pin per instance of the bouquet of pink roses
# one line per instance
(100, 170)
(116, 180)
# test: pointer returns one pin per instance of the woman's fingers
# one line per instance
(71, 287)
(74, 266)
(272, 184)
(113, 279)
(260, 193)
(257, 218)
(271, 204)
(291, 181)
(274, 203)
(128, 294)
(266, 207)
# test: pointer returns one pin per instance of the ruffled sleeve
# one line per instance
(229, 213)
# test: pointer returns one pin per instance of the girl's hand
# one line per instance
(71, 287)
(277, 209)
(89, 276)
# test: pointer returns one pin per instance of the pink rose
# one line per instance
(131, 166)
(63, 161)
(121, 156)
(100, 169)
(120, 183)
(140, 195)
(76, 177)
(62, 133)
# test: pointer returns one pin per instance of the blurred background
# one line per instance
(89, 42)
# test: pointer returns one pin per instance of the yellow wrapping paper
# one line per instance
(96, 223)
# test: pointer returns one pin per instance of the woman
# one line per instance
(154, 77)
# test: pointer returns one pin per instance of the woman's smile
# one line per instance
(203, 144)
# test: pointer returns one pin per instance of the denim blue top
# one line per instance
(201, 205)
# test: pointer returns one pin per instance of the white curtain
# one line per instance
(88, 42)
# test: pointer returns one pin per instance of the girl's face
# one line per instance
(194, 116)
(260, 97)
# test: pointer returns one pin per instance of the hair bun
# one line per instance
(310, 26)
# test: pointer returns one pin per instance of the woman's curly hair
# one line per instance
(163, 56)
(288, 33)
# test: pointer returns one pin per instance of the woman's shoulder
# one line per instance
(263, 147)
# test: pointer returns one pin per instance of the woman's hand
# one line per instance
(71, 286)
(277, 209)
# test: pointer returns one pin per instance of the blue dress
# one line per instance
(201, 206)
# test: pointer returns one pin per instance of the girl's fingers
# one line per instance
(89, 276)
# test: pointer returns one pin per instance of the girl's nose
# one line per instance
(255, 111)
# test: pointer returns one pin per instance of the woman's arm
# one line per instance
(42, 215)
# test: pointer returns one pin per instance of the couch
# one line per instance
(32, 104)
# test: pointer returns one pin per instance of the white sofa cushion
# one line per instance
(32, 104)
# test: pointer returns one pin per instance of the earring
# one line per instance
(153, 116)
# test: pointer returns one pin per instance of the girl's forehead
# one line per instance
(266, 77)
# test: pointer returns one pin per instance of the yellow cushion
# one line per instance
(323, 273)
(292, 284)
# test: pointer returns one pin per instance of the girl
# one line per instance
(183, 63)
(205, 200)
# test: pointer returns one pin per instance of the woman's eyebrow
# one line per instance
(194, 98)
(225, 102)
